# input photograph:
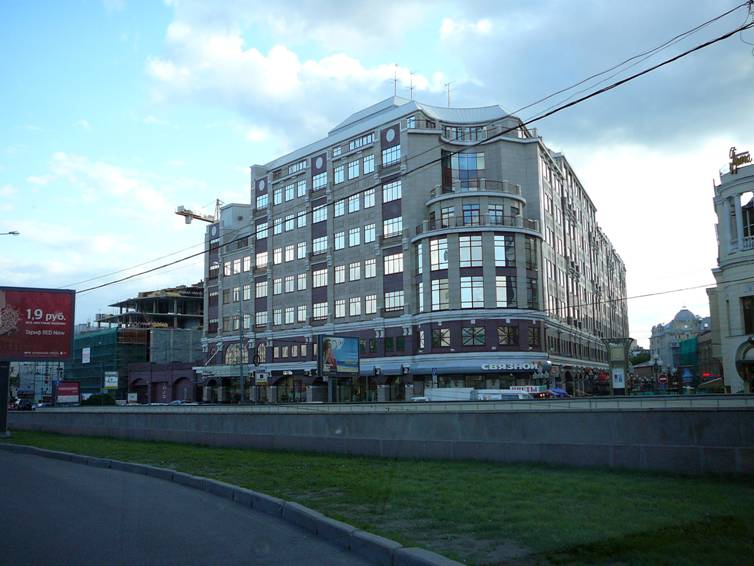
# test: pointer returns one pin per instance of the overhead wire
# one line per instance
(466, 147)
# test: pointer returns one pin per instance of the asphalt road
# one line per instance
(56, 512)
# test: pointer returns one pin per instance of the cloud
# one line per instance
(7, 191)
(38, 179)
(84, 124)
(257, 134)
(452, 28)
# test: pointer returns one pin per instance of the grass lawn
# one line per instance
(477, 512)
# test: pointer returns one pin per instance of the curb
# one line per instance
(374, 548)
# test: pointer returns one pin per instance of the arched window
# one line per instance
(232, 355)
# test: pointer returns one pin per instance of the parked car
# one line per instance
(24, 405)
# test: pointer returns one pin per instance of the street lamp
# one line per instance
(11, 233)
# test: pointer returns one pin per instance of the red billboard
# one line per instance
(68, 392)
(36, 324)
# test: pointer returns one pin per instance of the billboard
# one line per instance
(68, 392)
(36, 324)
(338, 355)
(619, 381)
(111, 380)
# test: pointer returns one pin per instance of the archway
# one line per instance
(182, 390)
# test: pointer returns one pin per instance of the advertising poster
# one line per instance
(36, 324)
(619, 381)
(68, 392)
(111, 380)
(339, 355)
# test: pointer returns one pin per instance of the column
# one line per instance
(739, 221)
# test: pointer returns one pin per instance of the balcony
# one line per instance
(476, 185)
(392, 312)
(477, 221)
(747, 243)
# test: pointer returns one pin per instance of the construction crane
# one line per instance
(190, 215)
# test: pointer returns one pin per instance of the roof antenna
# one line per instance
(447, 85)
(411, 85)
(395, 79)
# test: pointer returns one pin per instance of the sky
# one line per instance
(114, 112)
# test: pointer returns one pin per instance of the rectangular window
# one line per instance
(361, 142)
(353, 169)
(290, 222)
(471, 215)
(354, 271)
(301, 281)
(247, 292)
(261, 231)
(472, 336)
(340, 207)
(319, 311)
(391, 191)
(319, 245)
(447, 214)
(277, 226)
(227, 268)
(301, 219)
(260, 289)
(532, 295)
(277, 256)
(505, 291)
(301, 250)
(290, 283)
(531, 253)
(369, 233)
(369, 164)
(391, 155)
(301, 188)
(472, 292)
(441, 337)
(236, 294)
(226, 296)
(392, 227)
(277, 286)
(277, 317)
(533, 337)
(507, 335)
(393, 263)
(340, 274)
(471, 251)
(290, 252)
(496, 214)
(319, 182)
(319, 214)
(340, 240)
(301, 314)
(319, 278)
(290, 192)
(263, 201)
(354, 306)
(340, 308)
(438, 254)
(260, 318)
(505, 251)
(296, 167)
(353, 203)
(277, 196)
(290, 314)
(394, 301)
(237, 266)
(247, 263)
(354, 237)
(369, 198)
(339, 176)
(370, 304)
(261, 259)
(440, 296)
(419, 258)
(336, 151)
(370, 268)
(747, 311)
(420, 296)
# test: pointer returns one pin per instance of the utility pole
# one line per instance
(395, 79)
(411, 85)
(240, 342)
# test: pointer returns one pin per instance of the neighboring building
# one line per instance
(452, 242)
(175, 307)
(664, 344)
(732, 300)
(709, 362)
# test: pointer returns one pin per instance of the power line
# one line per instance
(476, 144)
(512, 114)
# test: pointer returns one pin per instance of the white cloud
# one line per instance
(84, 124)
(38, 179)
(453, 28)
(255, 134)
(6, 191)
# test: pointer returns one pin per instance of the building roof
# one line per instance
(385, 111)
(684, 315)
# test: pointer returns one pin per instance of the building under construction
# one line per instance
(174, 307)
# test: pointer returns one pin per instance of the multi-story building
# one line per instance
(732, 300)
(452, 242)
(664, 344)
(174, 307)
